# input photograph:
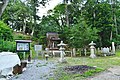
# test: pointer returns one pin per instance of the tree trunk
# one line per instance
(100, 41)
(33, 31)
(115, 24)
(67, 18)
(111, 35)
(24, 26)
(66, 13)
(34, 16)
(114, 15)
(3, 6)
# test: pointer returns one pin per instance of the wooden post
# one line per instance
(24, 55)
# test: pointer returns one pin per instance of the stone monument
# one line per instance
(105, 51)
(62, 49)
(92, 49)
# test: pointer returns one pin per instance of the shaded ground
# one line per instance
(38, 70)
(110, 74)
(80, 69)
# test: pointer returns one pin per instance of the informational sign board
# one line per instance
(22, 45)
(38, 47)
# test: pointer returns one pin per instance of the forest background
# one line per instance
(78, 22)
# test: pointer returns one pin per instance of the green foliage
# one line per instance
(60, 74)
(92, 72)
(7, 46)
(79, 35)
(6, 38)
(5, 32)
(20, 36)
(78, 22)
(118, 53)
(20, 54)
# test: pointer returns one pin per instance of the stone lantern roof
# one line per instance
(62, 44)
(92, 43)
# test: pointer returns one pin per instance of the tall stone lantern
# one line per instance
(62, 53)
(92, 49)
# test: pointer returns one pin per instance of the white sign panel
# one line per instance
(38, 47)
(22, 46)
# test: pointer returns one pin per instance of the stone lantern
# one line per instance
(92, 49)
(62, 53)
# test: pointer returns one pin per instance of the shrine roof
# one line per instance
(23, 40)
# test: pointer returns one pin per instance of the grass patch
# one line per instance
(101, 64)
(92, 72)
(61, 74)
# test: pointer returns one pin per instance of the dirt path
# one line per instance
(38, 70)
(110, 74)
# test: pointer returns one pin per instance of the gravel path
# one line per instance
(38, 70)
(110, 74)
(43, 70)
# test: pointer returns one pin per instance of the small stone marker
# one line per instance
(46, 56)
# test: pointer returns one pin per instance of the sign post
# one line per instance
(23, 46)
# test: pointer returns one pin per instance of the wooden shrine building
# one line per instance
(52, 40)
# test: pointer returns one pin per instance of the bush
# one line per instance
(5, 32)
(20, 54)
(7, 46)
(20, 36)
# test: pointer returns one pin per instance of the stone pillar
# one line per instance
(85, 51)
(110, 48)
(53, 45)
(74, 52)
(113, 48)
(98, 50)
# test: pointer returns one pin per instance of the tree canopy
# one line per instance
(77, 21)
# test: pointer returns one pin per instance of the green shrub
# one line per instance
(5, 32)
(20, 54)
(7, 46)
(20, 36)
